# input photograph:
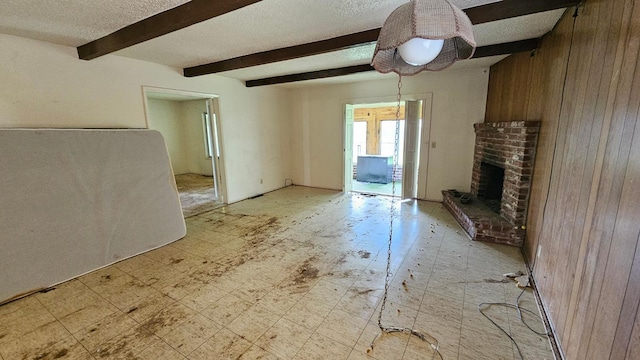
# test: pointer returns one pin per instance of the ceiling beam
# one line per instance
(312, 75)
(480, 14)
(483, 51)
(507, 9)
(168, 21)
(287, 53)
(506, 48)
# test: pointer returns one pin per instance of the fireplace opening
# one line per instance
(490, 186)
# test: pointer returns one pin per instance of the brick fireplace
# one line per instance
(502, 172)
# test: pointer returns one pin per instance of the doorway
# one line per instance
(189, 123)
(369, 146)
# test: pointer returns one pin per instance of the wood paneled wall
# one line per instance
(583, 227)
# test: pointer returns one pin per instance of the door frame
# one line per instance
(425, 131)
(213, 106)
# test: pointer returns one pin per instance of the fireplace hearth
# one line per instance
(502, 172)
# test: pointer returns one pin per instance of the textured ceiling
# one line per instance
(266, 25)
(520, 28)
(75, 22)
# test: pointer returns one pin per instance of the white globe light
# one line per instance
(418, 51)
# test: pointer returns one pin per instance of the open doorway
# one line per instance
(369, 144)
(189, 123)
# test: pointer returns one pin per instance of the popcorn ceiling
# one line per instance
(265, 25)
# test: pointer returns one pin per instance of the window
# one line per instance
(359, 139)
(206, 125)
(387, 139)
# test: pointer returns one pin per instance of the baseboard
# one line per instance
(542, 308)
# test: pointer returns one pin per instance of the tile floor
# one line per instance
(373, 188)
(197, 194)
(295, 274)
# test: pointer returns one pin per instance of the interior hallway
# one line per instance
(295, 274)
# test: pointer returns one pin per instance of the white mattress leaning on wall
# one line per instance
(72, 201)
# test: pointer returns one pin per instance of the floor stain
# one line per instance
(364, 254)
(494, 281)
(61, 353)
(176, 261)
(160, 320)
(41, 356)
(364, 292)
(306, 272)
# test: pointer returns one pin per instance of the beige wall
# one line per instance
(191, 117)
(459, 98)
(164, 116)
(45, 85)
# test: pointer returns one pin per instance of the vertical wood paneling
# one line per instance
(585, 201)
(550, 70)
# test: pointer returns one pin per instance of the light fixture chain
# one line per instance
(433, 343)
(396, 152)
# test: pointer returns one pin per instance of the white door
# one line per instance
(216, 144)
(348, 148)
(425, 126)
(413, 115)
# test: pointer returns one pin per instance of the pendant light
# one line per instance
(423, 35)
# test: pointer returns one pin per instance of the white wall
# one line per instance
(459, 98)
(191, 115)
(165, 116)
(45, 85)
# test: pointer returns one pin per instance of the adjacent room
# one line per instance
(366, 179)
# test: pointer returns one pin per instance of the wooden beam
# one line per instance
(483, 51)
(310, 75)
(507, 9)
(480, 14)
(168, 21)
(287, 53)
(506, 48)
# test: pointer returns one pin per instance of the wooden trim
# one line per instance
(287, 53)
(168, 21)
(506, 48)
(310, 75)
(507, 9)
(483, 51)
(480, 14)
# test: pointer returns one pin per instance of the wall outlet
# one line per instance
(260, 181)
(433, 144)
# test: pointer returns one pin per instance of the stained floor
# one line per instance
(374, 188)
(197, 194)
(296, 274)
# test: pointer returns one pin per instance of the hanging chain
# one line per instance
(387, 280)
(392, 211)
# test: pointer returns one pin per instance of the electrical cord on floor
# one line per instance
(519, 310)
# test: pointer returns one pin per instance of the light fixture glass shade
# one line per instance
(418, 51)
(424, 19)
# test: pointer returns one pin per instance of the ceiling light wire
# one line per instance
(432, 341)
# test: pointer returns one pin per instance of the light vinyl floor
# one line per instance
(197, 194)
(296, 274)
